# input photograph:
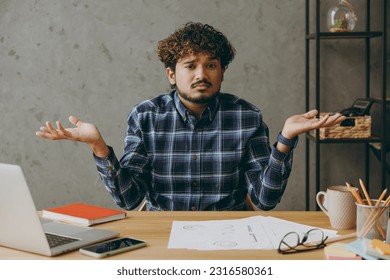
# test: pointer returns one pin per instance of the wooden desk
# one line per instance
(155, 228)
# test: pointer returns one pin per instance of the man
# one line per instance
(195, 148)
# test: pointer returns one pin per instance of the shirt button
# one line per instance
(194, 183)
(194, 157)
(193, 208)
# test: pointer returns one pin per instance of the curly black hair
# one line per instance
(195, 38)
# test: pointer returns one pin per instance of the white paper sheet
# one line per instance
(257, 232)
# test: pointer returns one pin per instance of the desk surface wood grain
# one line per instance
(155, 228)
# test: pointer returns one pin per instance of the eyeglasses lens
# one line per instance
(291, 240)
(313, 238)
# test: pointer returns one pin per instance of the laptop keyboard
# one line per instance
(57, 240)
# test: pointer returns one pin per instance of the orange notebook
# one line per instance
(84, 214)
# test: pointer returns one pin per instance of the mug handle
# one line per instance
(319, 201)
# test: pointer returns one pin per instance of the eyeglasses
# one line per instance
(291, 243)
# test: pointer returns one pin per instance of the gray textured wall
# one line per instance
(96, 59)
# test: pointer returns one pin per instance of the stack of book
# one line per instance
(358, 249)
(83, 214)
(339, 251)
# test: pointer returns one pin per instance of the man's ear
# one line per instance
(171, 75)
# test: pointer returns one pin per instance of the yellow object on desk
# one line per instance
(380, 246)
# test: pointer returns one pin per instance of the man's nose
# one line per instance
(201, 72)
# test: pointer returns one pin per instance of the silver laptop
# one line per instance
(22, 229)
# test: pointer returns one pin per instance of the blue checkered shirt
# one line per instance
(180, 163)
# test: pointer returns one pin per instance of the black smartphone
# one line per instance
(112, 247)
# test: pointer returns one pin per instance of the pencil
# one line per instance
(355, 193)
(381, 197)
(365, 192)
(336, 238)
(340, 237)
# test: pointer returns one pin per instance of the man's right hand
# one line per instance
(82, 132)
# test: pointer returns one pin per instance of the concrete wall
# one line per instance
(96, 59)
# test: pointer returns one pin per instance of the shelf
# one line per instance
(345, 35)
(313, 92)
(379, 100)
(377, 151)
(373, 139)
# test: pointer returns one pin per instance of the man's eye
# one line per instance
(190, 66)
(211, 66)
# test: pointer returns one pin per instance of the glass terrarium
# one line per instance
(341, 17)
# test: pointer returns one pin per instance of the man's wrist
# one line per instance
(292, 143)
(100, 149)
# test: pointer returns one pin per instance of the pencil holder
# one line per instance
(372, 221)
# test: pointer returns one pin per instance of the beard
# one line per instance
(201, 98)
(198, 100)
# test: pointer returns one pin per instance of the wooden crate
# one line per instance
(352, 127)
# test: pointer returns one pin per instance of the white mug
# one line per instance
(341, 207)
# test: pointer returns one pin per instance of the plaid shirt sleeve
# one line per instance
(267, 172)
(121, 185)
(126, 184)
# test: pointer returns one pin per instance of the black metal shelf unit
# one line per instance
(316, 37)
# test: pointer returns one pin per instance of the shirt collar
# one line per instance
(211, 110)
